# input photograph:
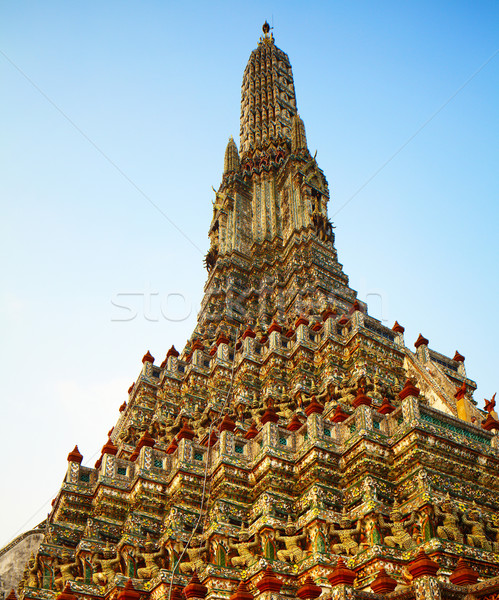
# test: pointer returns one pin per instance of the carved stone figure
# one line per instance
(151, 568)
(240, 415)
(490, 527)
(91, 530)
(477, 538)
(201, 420)
(23, 581)
(172, 426)
(107, 565)
(33, 572)
(323, 227)
(195, 553)
(292, 552)
(66, 569)
(347, 543)
(284, 407)
(246, 558)
(326, 392)
(449, 530)
(131, 436)
(157, 429)
(256, 409)
(211, 258)
(400, 537)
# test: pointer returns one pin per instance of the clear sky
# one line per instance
(114, 120)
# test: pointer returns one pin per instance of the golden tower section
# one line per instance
(268, 101)
(231, 160)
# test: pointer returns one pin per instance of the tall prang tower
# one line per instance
(296, 447)
(272, 256)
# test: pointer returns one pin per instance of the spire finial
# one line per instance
(264, 119)
(231, 160)
(267, 38)
(298, 136)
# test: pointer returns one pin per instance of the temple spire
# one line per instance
(298, 136)
(268, 101)
(231, 161)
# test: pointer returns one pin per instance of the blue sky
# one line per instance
(135, 105)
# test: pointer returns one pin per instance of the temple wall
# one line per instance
(14, 557)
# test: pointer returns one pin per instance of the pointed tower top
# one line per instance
(267, 37)
(66, 593)
(421, 341)
(231, 161)
(109, 448)
(148, 357)
(298, 137)
(397, 327)
(268, 101)
(195, 589)
(269, 582)
(75, 455)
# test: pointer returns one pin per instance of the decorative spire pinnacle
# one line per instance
(421, 341)
(339, 415)
(386, 407)
(422, 565)
(269, 582)
(172, 352)
(231, 161)
(66, 593)
(146, 440)
(109, 448)
(461, 391)
(268, 101)
(361, 399)
(383, 583)
(242, 593)
(397, 327)
(252, 432)
(409, 389)
(314, 407)
(75, 455)
(489, 407)
(463, 574)
(267, 37)
(195, 589)
(309, 591)
(341, 574)
(298, 136)
(148, 357)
